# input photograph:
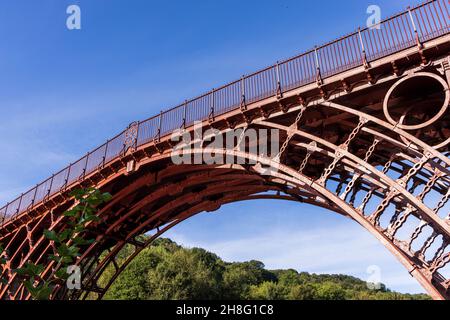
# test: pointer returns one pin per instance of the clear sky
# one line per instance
(64, 92)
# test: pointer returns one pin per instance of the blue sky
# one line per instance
(65, 92)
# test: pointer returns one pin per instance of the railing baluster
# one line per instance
(85, 165)
(68, 176)
(279, 93)
(437, 13)
(106, 152)
(243, 99)
(318, 75)
(50, 187)
(137, 135)
(432, 18)
(212, 105)
(159, 126)
(419, 44)
(184, 114)
(20, 202)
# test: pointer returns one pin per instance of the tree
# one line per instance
(268, 291)
(303, 292)
(330, 291)
(166, 270)
(186, 275)
(238, 277)
(169, 271)
(133, 283)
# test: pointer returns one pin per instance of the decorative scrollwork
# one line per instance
(131, 136)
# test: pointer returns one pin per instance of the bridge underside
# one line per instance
(370, 144)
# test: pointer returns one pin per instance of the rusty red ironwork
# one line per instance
(366, 129)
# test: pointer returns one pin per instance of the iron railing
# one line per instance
(407, 29)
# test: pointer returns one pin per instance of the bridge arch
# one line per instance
(179, 191)
(167, 194)
(342, 149)
(284, 176)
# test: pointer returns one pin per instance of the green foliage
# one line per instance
(303, 292)
(194, 274)
(268, 291)
(169, 271)
(331, 291)
(40, 292)
(2, 263)
(2, 259)
(239, 277)
(67, 244)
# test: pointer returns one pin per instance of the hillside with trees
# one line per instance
(169, 271)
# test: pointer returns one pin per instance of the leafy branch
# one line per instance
(67, 244)
(2, 263)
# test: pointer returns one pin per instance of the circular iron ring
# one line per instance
(441, 112)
